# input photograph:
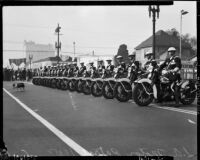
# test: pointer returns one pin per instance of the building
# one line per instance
(163, 42)
(38, 51)
(49, 61)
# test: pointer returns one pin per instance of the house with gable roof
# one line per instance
(163, 42)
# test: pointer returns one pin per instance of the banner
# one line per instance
(17, 62)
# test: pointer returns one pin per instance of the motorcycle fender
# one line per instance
(124, 80)
(154, 91)
(185, 84)
(110, 79)
(144, 80)
(149, 81)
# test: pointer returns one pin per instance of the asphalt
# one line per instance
(99, 125)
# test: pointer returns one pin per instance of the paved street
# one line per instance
(98, 125)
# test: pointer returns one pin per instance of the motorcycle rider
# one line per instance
(75, 70)
(71, 70)
(149, 56)
(92, 68)
(65, 70)
(133, 66)
(173, 66)
(122, 66)
(81, 69)
(110, 67)
(101, 67)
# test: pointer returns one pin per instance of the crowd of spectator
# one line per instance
(20, 74)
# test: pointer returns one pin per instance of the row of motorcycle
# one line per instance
(135, 84)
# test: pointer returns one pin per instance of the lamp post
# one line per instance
(30, 58)
(155, 10)
(182, 13)
(58, 43)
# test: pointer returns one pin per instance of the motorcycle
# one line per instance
(87, 82)
(146, 90)
(108, 90)
(97, 85)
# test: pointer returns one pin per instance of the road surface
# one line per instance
(49, 122)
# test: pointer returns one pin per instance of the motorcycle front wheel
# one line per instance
(140, 96)
(87, 88)
(96, 89)
(120, 93)
(107, 91)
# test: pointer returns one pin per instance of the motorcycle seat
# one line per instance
(164, 80)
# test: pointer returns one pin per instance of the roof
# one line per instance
(163, 39)
(49, 59)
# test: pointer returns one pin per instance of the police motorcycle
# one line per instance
(64, 79)
(39, 77)
(79, 76)
(109, 83)
(73, 79)
(54, 78)
(81, 81)
(59, 77)
(124, 86)
(88, 81)
(97, 83)
(145, 90)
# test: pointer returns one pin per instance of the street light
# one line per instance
(30, 58)
(182, 13)
(154, 9)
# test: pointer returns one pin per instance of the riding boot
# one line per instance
(176, 94)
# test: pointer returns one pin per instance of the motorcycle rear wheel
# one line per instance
(187, 97)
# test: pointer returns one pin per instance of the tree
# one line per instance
(192, 41)
(122, 51)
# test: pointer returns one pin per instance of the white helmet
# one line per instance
(108, 59)
(118, 57)
(148, 53)
(132, 54)
(171, 49)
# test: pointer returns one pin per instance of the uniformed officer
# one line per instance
(81, 69)
(109, 66)
(133, 67)
(65, 70)
(122, 65)
(149, 56)
(76, 68)
(173, 66)
(101, 67)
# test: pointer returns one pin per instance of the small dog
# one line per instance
(18, 86)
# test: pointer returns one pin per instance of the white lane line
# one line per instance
(189, 120)
(177, 110)
(72, 101)
(172, 109)
(76, 147)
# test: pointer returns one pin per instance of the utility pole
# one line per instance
(74, 49)
(58, 43)
(154, 10)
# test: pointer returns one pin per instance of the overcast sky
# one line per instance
(98, 28)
